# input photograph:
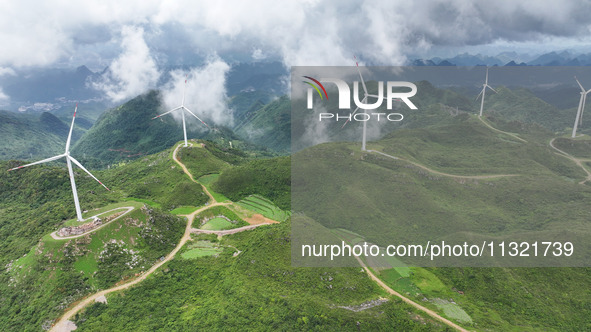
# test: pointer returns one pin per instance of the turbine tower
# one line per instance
(363, 101)
(579, 118)
(183, 109)
(483, 92)
(69, 161)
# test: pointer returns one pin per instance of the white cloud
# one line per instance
(7, 71)
(133, 72)
(42, 33)
(205, 93)
(258, 54)
(3, 96)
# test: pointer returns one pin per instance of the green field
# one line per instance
(184, 210)
(145, 201)
(201, 249)
(217, 224)
(265, 207)
(102, 212)
(452, 310)
(207, 181)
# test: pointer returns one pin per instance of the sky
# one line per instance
(137, 38)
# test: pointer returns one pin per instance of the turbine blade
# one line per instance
(84, 169)
(582, 109)
(172, 110)
(184, 89)
(355, 111)
(193, 114)
(376, 96)
(579, 83)
(490, 87)
(359, 71)
(486, 80)
(39, 162)
(71, 129)
(481, 91)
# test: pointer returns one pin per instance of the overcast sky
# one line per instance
(137, 38)
(61, 33)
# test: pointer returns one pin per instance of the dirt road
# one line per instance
(500, 131)
(445, 174)
(65, 325)
(174, 157)
(226, 231)
(409, 301)
(129, 209)
(578, 161)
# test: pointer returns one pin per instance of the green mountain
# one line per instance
(267, 125)
(428, 194)
(41, 276)
(33, 136)
(523, 106)
(128, 132)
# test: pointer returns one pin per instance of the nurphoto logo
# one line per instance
(344, 98)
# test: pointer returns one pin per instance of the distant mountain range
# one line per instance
(563, 58)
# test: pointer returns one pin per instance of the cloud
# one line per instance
(205, 93)
(310, 32)
(133, 72)
(258, 54)
(3, 96)
(7, 71)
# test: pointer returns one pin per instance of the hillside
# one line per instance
(43, 277)
(443, 186)
(267, 125)
(256, 290)
(33, 136)
(523, 106)
(128, 131)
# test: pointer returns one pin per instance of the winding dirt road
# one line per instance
(409, 301)
(578, 161)
(129, 209)
(65, 325)
(226, 231)
(500, 131)
(445, 174)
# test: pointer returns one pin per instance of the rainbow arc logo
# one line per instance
(316, 87)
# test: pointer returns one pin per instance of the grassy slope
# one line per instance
(41, 136)
(269, 125)
(39, 198)
(256, 290)
(545, 197)
(128, 131)
(38, 286)
(269, 178)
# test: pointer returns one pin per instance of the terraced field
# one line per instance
(265, 207)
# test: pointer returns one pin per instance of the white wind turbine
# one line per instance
(69, 161)
(483, 92)
(579, 118)
(363, 101)
(183, 108)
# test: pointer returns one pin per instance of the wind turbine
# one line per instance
(483, 92)
(69, 161)
(579, 118)
(363, 101)
(183, 108)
